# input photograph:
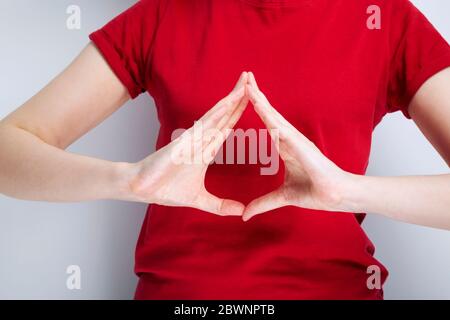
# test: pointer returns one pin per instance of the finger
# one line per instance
(207, 129)
(226, 127)
(216, 129)
(227, 106)
(267, 202)
(201, 133)
(261, 108)
(223, 129)
(292, 139)
(266, 103)
(222, 104)
(274, 120)
(229, 122)
(252, 80)
(243, 79)
(222, 207)
(268, 119)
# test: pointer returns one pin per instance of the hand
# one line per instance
(174, 175)
(311, 180)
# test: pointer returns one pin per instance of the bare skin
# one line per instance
(35, 165)
(313, 181)
(161, 179)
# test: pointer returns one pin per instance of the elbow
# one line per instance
(11, 128)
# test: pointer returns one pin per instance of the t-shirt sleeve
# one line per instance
(126, 43)
(420, 52)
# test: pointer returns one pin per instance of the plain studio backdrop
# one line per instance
(39, 240)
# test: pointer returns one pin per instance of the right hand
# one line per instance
(163, 179)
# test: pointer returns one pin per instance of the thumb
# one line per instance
(222, 207)
(267, 202)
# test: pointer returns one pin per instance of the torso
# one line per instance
(325, 72)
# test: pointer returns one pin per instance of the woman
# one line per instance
(329, 69)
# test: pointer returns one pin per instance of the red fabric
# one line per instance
(327, 73)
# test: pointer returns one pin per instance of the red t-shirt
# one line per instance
(329, 71)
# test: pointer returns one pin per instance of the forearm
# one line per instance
(34, 170)
(423, 200)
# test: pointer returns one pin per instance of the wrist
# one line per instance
(352, 193)
(125, 174)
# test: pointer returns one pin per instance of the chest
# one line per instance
(326, 78)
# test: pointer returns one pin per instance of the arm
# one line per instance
(33, 138)
(423, 200)
(36, 167)
(313, 181)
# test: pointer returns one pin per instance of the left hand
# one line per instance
(311, 180)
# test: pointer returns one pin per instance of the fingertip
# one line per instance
(248, 212)
(247, 217)
(252, 79)
(245, 78)
(232, 208)
(242, 80)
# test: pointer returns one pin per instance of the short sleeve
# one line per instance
(420, 52)
(126, 43)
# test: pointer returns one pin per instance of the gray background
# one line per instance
(39, 240)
